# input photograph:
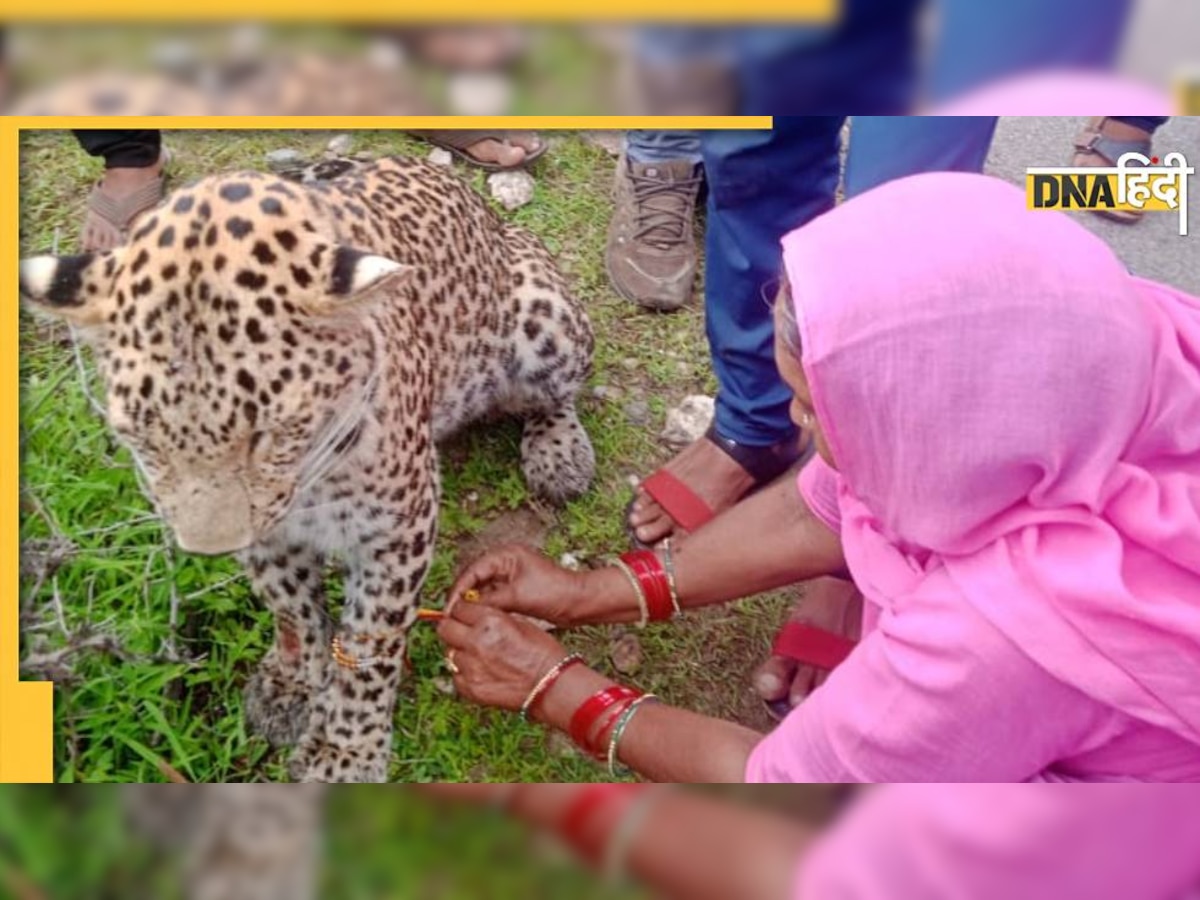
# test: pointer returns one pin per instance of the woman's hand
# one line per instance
(499, 658)
(516, 578)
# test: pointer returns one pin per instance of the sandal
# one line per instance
(1093, 146)
(808, 646)
(114, 218)
(459, 142)
(688, 510)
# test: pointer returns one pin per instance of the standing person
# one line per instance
(1105, 139)
(134, 181)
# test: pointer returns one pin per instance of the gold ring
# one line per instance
(451, 665)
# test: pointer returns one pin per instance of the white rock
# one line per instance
(569, 561)
(479, 94)
(340, 144)
(688, 421)
(513, 189)
(440, 156)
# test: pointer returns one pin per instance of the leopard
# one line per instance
(283, 361)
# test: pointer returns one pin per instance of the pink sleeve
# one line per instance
(998, 842)
(819, 487)
(934, 693)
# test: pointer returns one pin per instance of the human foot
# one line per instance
(832, 606)
(492, 150)
(1101, 143)
(117, 200)
(708, 477)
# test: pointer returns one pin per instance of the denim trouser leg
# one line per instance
(883, 148)
(662, 146)
(761, 185)
(1146, 123)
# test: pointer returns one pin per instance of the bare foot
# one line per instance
(705, 468)
(828, 603)
(510, 152)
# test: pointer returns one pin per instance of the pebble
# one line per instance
(638, 412)
(604, 392)
(339, 145)
(626, 654)
(512, 189)
(284, 157)
(688, 421)
(440, 156)
(632, 480)
(569, 561)
(443, 685)
(630, 364)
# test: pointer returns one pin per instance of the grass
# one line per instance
(150, 648)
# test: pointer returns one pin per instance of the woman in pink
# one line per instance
(1009, 435)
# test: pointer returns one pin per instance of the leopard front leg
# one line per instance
(278, 696)
(349, 736)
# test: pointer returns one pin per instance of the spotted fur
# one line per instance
(282, 359)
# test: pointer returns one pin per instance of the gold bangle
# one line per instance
(637, 589)
(669, 568)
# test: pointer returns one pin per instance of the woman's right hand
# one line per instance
(519, 579)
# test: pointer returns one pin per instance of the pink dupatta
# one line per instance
(1006, 403)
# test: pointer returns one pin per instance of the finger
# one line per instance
(802, 685)
(471, 613)
(478, 575)
(454, 634)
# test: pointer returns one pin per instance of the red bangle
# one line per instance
(590, 800)
(652, 576)
(598, 745)
(590, 711)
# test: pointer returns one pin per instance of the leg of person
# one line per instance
(883, 148)
(132, 183)
(1103, 140)
(761, 185)
(651, 254)
(492, 151)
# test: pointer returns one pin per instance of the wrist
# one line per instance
(567, 694)
(603, 596)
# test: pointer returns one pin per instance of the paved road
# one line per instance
(1153, 248)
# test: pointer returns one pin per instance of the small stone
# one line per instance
(626, 654)
(443, 685)
(569, 561)
(630, 364)
(472, 497)
(683, 368)
(364, 156)
(638, 413)
(632, 480)
(604, 392)
(283, 158)
(340, 144)
(688, 421)
(512, 189)
(440, 156)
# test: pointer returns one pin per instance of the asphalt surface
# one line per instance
(1153, 247)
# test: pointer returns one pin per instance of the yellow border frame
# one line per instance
(343, 11)
(26, 708)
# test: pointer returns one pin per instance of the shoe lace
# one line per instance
(664, 209)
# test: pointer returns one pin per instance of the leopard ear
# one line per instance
(75, 288)
(358, 275)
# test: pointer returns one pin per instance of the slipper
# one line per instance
(116, 217)
(1093, 144)
(459, 142)
(808, 646)
(687, 509)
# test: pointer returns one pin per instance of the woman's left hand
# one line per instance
(499, 657)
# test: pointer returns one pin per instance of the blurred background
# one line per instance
(102, 841)
(932, 50)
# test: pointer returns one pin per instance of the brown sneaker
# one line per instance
(651, 253)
